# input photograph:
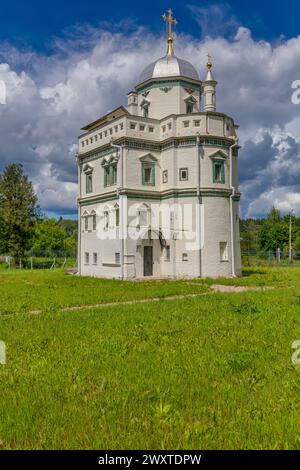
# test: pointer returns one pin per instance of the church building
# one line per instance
(158, 180)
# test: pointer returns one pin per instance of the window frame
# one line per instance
(223, 250)
(95, 259)
(110, 175)
(167, 255)
(117, 216)
(86, 223)
(94, 222)
(151, 166)
(165, 176)
(215, 163)
(180, 174)
(88, 182)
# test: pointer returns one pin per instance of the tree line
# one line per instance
(23, 226)
(270, 234)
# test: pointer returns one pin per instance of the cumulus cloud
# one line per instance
(90, 71)
(216, 19)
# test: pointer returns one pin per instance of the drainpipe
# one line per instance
(79, 218)
(119, 189)
(199, 199)
(232, 194)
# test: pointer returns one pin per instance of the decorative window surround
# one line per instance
(223, 251)
(183, 174)
(88, 170)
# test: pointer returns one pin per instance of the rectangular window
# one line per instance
(95, 258)
(186, 123)
(223, 251)
(94, 222)
(218, 172)
(145, 111)
(121, 126)
(132, 125)
(197, 123)
(142, 127)
(151, 129)
(110, 175)
(167, 253)
(117, 258)
(91, 140)
(110, 131)
(183, 174)
(82, 143)
(165, 176)
(87, 258)
(170, 125)
(116, 128)
(164, 128)
(185, 257)
(86, 224)
(89, 182)
(189, 108)
(148, 174)
(100, 135)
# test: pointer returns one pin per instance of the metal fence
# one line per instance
(271, 258)
(52, 260)
(39, 260)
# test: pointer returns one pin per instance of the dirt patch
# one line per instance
(237, 289)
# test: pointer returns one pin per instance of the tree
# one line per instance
(19, 210)
(48, 236)
(274, 232)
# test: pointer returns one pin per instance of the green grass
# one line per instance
(212, 372)
(23, 291)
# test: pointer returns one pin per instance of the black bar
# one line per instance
(135, 459)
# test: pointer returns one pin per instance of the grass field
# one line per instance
(211, 372)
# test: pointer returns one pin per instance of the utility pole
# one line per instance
(290, 239)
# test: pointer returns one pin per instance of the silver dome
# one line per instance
(169, 66)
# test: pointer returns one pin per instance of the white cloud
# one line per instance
(49, 98)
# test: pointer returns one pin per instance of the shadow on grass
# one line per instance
(252, 272)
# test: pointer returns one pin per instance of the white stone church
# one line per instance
(158, 180)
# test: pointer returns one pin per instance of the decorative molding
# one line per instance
(166, 89)
(152, 195)
(171, 82)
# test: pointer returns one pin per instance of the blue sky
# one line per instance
(35, 22)
(67, 63)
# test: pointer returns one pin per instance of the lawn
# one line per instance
(210, 372)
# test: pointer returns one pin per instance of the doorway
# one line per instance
(148, 261)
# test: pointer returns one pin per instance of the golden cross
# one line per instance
(171, 21)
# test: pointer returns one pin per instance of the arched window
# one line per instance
(94, 220)
(144, 215)
(85, 219)
(117, 215)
